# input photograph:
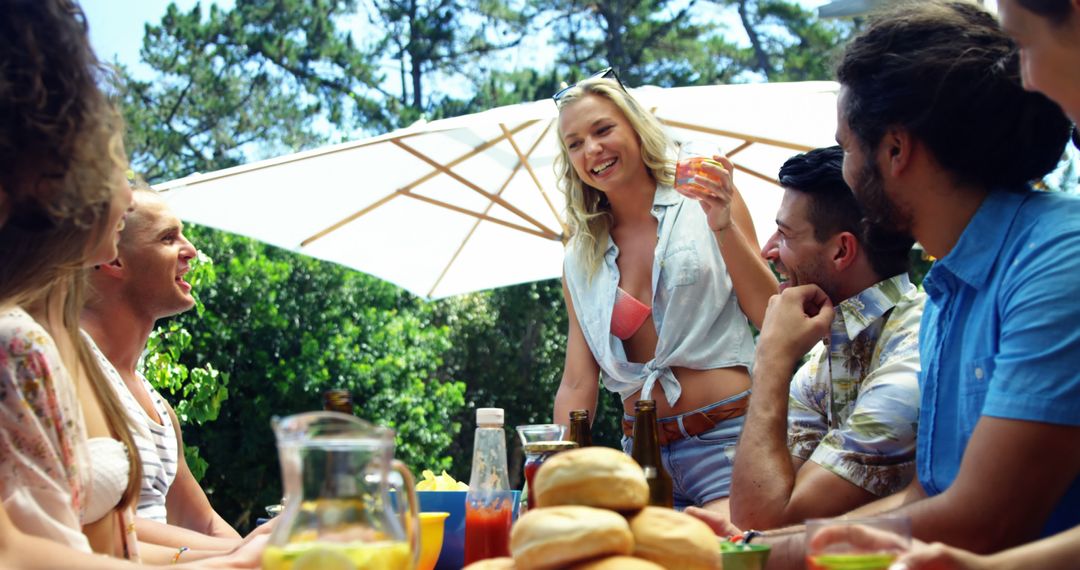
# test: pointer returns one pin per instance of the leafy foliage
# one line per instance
(257, 79)
(788, 42)
(509, 344)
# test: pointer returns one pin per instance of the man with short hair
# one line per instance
(143, 284)
(841, 432)
(941, 141)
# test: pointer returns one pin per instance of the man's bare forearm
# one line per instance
(764, 476)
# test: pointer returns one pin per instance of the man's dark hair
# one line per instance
(945, 72)
(819, 174)
(1057, 11)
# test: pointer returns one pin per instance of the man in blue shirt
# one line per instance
(941, 140)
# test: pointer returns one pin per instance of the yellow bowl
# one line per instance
(431, 539)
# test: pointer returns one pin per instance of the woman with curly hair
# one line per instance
(64, 198)
(69, 469)
(658, 289)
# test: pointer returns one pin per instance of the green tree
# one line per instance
(510, 345)
(431, 38)
(689, 43)
(259, 79)
(647, 41)
(787, 41)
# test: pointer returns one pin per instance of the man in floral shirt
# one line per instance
(841, 433)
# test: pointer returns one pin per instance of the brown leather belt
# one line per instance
(693, 423)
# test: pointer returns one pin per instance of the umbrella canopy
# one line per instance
(471, 202)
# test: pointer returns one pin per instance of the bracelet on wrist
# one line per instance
(181, 550)
(750, 535)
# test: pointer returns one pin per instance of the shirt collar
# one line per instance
(664, 196)
(870, 304)
(979, 246)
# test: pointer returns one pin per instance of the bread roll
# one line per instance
(674, 540)
(617, 563)
(556, 537)
(502, 563)
(594, 477)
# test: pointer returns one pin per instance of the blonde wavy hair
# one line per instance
(61, 160)
(587, 209)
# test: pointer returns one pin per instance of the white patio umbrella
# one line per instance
(471, 203)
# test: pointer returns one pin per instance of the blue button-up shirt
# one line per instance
(1000, 332)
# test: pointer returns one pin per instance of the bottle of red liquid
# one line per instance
(489, 502)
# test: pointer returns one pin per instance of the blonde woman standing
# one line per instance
(658, 288)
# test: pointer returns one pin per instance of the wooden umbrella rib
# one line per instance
(337, 225)
(753, 172)
(735, 135)
(405, 189)
(475, 151)
(472, 230)
(280, 161)
(453, 258)
(469, 184)
(745, 145)
(524, 159)
(542, 234)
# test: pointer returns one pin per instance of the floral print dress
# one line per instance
(44, 466)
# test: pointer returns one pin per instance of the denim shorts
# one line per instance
(700, 466)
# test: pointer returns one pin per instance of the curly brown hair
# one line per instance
(944, 71)
(59, 133)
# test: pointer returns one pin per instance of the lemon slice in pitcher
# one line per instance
(323, 559)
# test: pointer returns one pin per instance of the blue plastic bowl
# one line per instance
(452, 556)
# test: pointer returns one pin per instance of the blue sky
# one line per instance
(116, 26)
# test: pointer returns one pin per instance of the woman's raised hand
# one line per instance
(721, 187)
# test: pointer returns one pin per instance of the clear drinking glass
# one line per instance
(540, 432)
(871, 543)
(693, 155)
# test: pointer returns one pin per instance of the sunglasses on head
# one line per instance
(606, 73)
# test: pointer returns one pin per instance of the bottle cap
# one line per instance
(489, 416)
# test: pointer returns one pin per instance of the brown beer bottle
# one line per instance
(580, 428)
(646, 452)
(338, 400)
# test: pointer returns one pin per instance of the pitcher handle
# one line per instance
(410, 518)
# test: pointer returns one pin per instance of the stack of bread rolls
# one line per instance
(592, 514)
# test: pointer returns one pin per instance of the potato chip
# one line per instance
(444, 482)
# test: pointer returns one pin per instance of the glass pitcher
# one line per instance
(339, 512)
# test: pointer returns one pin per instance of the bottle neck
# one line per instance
(580, 432)
(646, 450)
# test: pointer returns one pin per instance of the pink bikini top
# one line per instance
(628, 314)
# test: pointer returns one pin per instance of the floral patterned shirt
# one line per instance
(854, 409)
(42, 435)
